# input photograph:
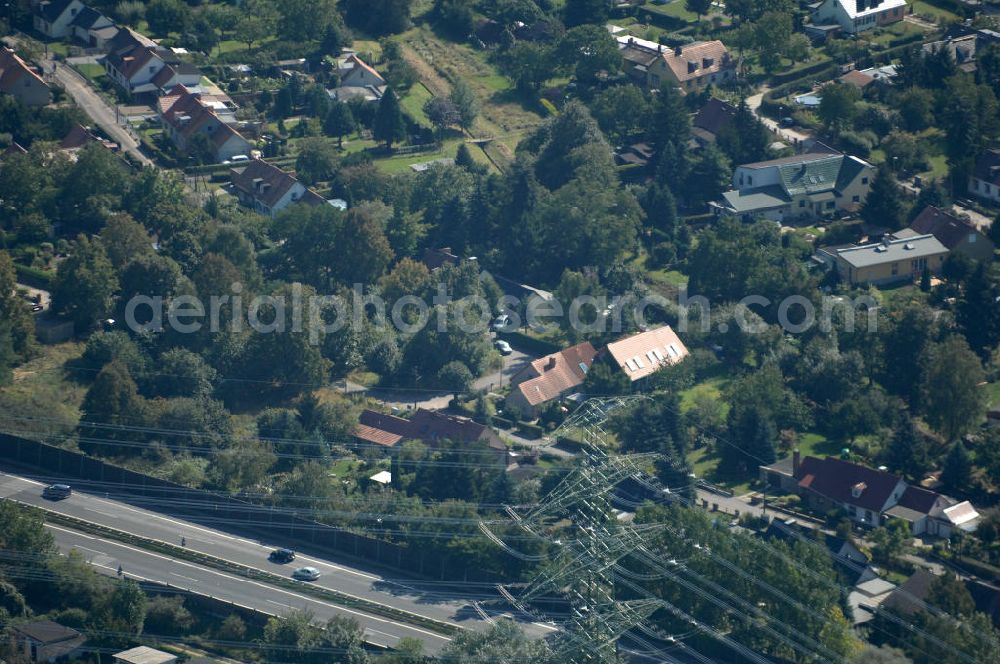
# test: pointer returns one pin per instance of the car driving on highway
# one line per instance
(57, 491)
(306, 574)
(282, 556)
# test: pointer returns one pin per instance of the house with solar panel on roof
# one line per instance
(804, 187)
(641, 355)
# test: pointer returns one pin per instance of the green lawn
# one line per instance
(817, 445)
(90, 71)
(402, 163)
(711, 387)
(993, 394)
(413, 103)
(675, 9)
(924, 8)
(58, 48)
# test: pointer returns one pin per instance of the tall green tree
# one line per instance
(978, 313)
(698, 7)
(8, 359)
(589, 50)
(953, 399)
(908, 451)
(110, 407)
(13, 310)
(885, 205)
(389, 125)
(580, 12)
(838, 105)
(465, 100)
(956, 474)
(85, 284)
(339, 122)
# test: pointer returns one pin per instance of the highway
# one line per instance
(142, 565)
(447, 603)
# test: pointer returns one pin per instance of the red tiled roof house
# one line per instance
(20, 81)
(551, 377)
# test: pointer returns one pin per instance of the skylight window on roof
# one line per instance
(659, 355)
(638, 362)
(651, 357)
(673, 350)
(583, 367)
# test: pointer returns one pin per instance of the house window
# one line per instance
(750, 180)
(972, 238)
(152, 69)
(987, 188)
(855, 199)
(895, 269)
(829, 205)
(864, 180)
(802, 203)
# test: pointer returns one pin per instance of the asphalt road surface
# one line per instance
(451, 603)
(142, 565)
(97, 109)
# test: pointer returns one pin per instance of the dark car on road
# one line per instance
(282, 556)
(57, 491)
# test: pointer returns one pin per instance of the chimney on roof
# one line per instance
(692, 67)
(707, 62)
(796, 462)
(858, 489)
(659, 48)
(678, 50)
(550, 363)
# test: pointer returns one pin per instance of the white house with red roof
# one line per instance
(870, 496)
(268, 189)
(20, 81)
(188, 116)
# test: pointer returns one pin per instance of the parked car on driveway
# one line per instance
(57, 491)
(501, 323)
(306, 574)
(282, 556)
(503, 347)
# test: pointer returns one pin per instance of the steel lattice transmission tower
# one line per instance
(587, 563)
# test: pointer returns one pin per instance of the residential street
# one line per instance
(97, 109)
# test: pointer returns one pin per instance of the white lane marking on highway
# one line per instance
(289, 606)
(261, 585)
(24, 479)
(186, 578)
(185, 524)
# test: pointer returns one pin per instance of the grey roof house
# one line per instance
(805, 186)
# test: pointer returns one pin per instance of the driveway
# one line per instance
(431, 399)
(97, 109)
(793, 137)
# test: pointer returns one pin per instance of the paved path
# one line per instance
(981, 221)
(97, 109)
(793, 137)
(438, 400)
